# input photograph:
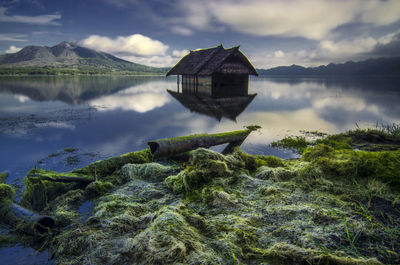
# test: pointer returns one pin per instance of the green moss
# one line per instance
(64, 209)
(39, 192)
(153, 172)
(107, 167)
(252, 162)
(171, 240)
(98, 188)
(334, 206)
(382, 165)
(3, 176)
(364, 139)
(72, 160)
(204, 166)
(297, 143)
(199, 175)
(175, 182)
(71, 244)
(6, 193)
(284, 253)
(253, 127)
(7, 240)
(70, 150)
(315, 152)
(337, 141)
(275, 174)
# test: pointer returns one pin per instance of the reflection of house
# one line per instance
(228, 107)
(214, 72)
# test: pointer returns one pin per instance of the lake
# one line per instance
(97, 117)
(62, 123)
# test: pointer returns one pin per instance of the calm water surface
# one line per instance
(105, 116)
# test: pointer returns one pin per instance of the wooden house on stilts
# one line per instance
(215, 72)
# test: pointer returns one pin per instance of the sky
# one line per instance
(159, 32)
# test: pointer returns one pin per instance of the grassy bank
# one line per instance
(338, 204)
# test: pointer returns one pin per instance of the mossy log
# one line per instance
(64, 179)
(26, 220)
(173, 146)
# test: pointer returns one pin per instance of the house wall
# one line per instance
(196, 84)
(218, 85)
(229, 85)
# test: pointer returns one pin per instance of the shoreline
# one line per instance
(229, 208)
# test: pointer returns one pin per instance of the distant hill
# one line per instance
(380, 66)
(67, 58)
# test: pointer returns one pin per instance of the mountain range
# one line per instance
(377, 66)
(68, 57)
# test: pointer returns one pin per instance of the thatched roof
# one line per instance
(213, 60)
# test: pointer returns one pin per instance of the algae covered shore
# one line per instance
(338, 204)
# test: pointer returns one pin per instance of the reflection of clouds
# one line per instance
(55, 124)
(22, 98)
(333, 107)
(276, 125)
(345, 103)
(141, 98)
(304, 90)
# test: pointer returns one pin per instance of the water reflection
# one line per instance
(69, 89)
(140, 98)
(227, 101)
(114, 115)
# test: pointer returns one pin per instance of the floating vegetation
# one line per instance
(3, 176)
(70, 150)
(296, 143)
(377, 139)
(66, 118)
(335, 205)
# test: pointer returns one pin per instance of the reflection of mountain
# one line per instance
(228, 107)
(69, 89)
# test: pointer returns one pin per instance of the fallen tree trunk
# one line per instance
(58, 178)
(26, 220)
(173, 146)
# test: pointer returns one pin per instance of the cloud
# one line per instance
(121, 3)
(13, 49)
(338, 51)
(360, 47)
(279, 54)
(388, 46)
(378, 12)
(135, 44)
(348, 46)
(312, 19)
(179, 54)
(181, 30)
(157, 61)
(13, 37)
(37, 20)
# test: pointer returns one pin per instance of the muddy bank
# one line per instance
(333, 206)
